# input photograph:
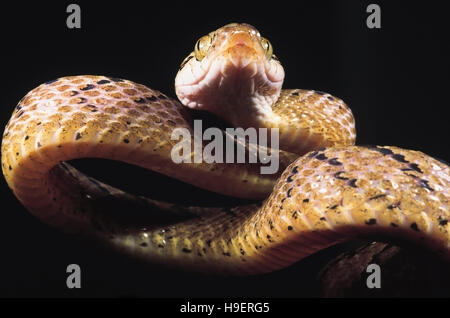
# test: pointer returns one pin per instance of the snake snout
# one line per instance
(243, 46)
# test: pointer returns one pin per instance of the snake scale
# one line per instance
(328, 191)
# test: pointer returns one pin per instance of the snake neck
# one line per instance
(253, 110)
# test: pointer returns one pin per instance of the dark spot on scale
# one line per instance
(20, 114)
(415, 167)
(144, 244)
(103, 81)
(226, 253)
(50, 82)
(38, 123)
(39, 144)
(352, 183)
(306, 200)
(322, 218)
(371, 222)
(115, 79)
(384, 151)
(393, 206)
(88, 87)
(208, 242)
(320, 93)
(82, 100)
(424, 183)
(330, 98)
(186, 250)
(162, 96)
(337, 175)
(289, 228)
(151, 98)
(409, 169)
(126, 141)
(442, 222)
(313, 154)
(377, 196)
(400, 158)
(78, 136)
(415, 227)
(140, 100)
(93, 108)
(294, 94)
(334, 207)
(289, 192)
(321, 157)
(289, 179)
(18, 107)
(295, 169)
(27, 137)
(394, 225)
(294, 215)
(242, 252)
(73, 93)
(10, 168)
(334, 162)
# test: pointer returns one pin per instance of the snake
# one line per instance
(328, 190)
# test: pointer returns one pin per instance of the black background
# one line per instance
(395, 80)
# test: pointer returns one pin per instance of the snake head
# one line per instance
(232, 73)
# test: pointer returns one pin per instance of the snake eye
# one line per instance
(202, 46)
(267, 47)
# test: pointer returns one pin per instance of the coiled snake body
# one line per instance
(334, 190)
